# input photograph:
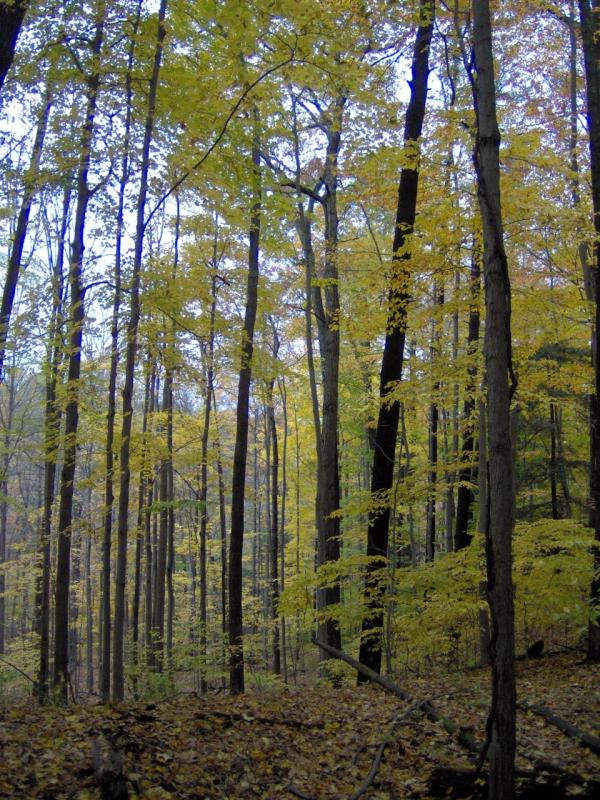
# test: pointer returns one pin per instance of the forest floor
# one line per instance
(317, 743)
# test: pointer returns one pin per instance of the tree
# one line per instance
(384, 453)
(12, 15)
(76, 317)
(589, 13)
(238, 485)
(498, 370)
(130, 358)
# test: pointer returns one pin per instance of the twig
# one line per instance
(297, 792)
(398, 717)
(20, 671)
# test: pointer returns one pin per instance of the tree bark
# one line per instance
(132, 332)
(589, 13)
(76, 317)
(238, 485)
(112, 380)
(498, 365)
(11, 19)
(464, 501)
(18, 243)
(52, 417)
(384, 455)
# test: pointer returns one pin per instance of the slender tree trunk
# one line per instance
(52, 417)
(112, 380)
(283, 394)
(386, 435)
(238, 486)
(274, 521)
(208, 394)
(497, 348)
(590, 29)
(132, 332)
(76, 317)
(222, 523)
(18, 243)
(462, 537)
(6, 458)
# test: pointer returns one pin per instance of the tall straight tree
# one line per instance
(238, 484)
(386, 435)
(132, 333)
(76, 317)
(589, 13)
(500, 383)
(112, 380)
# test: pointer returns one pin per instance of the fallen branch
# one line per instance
(399, 717)
(581, 737)
(17, 669)
(463, 736)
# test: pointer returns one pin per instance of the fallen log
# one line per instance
(462, 734)
(581, 737)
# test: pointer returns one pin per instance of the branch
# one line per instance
(17, 669)
(219, 136)
(463, 736)
(398, 717)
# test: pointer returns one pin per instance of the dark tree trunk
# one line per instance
(497, 348)
(222, 522)
(326, 303)
(76, 317)
(11, 19)
(112, 382)
(386, 435)
(464, 502)
(6, 459)
(238, 485)
(590, 28)
(16, 252)
(274, 521)
(132, 332)
(52, 417)
(434, 424)
(208, 394)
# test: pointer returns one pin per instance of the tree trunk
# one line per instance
(497, 348)
(76, 317)
(238, 485)
(112, 381)
(11, 19)
(208, 394)
(382, 475)
(132, 332)
(464, 502)
(18, 243)
(590, 29)
(52, 417)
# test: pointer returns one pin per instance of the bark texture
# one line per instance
(238, 484)
(590, 29)
(498, 366)
(386, 435)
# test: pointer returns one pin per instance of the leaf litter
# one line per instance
(318, 743)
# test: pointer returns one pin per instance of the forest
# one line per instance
(299, 398)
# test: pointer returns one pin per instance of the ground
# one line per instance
(310, 743)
